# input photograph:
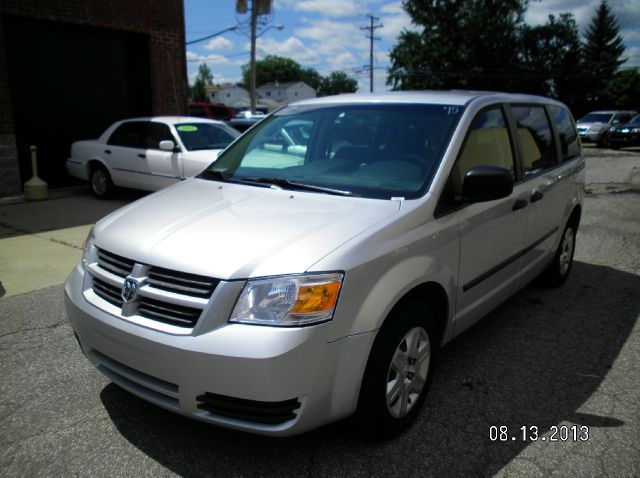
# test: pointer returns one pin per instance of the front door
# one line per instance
(491, 233)
(157, 168)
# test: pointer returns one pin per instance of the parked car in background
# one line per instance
(245, 120)
(211, 111)
(284, 288)
(627, 134)
(592, 127)
(148, 153)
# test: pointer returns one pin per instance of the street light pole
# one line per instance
(252, 83)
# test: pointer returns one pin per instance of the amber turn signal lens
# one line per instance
(316, 298)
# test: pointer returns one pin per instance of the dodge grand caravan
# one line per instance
(285, 288)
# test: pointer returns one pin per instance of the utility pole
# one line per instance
(371, 27)
(254, 28)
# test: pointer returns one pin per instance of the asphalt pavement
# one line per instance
(546, 358)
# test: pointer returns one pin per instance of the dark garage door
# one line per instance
(69, 82)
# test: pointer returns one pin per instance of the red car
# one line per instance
(211, 111)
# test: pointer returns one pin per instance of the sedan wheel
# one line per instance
(101, 184)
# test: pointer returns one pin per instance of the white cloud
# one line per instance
(210, 60)
(329, 8)
(218, 44)
(342, 61)
(393, 25)
(633, 57)
(292, 47)
(332, 37)
(627, 12)
(394, 8)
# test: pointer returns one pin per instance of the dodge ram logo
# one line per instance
(129, 290)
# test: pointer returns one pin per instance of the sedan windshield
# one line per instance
(197, 136)
(369, 150)
(596, 118)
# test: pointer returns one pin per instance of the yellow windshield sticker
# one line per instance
(187, 128)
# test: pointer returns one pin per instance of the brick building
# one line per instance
(70, 68)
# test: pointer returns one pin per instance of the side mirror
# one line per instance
(487, 183)
(167, 145)
(616, 122)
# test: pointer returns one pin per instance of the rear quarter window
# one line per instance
(569, 144)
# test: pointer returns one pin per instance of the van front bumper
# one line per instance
(266, 380)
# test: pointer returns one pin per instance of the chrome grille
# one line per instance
(164, 295)
(115, 264)
(107, 292)
(168, 313)
(182, 282)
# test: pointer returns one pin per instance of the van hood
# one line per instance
(233, 231)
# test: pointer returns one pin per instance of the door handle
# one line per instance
(107, 151)
(520, 204)
(536, 196)
(142, 155)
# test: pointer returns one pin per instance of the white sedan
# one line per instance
(148, 153)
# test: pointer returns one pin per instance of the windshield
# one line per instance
(373, 150)
(635, 120)
(596, 118)
(197, 136)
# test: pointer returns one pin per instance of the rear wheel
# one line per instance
(398, 373)
(557, 272)
(101, 184)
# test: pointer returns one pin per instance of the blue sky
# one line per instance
(326, 34)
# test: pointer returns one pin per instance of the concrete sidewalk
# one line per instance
(41, 242)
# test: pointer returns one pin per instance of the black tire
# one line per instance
(100, 181)
(558, 270)
(604, 142)
(378, 416)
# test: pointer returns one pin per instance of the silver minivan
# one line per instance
(315, 269)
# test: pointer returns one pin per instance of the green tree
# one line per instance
(283, 70)
(337, 82)
(551, 56)
(204, 78)
(602, 53)
(463, 44)
(624, 90)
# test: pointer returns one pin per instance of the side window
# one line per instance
(534, 136)
(624, 118)
(569, 144)
(128, 135)
(487, 144)
(156, 132)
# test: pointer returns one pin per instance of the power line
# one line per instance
(372, 28)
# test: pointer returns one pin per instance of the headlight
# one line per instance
(88, 242)
(288, 300)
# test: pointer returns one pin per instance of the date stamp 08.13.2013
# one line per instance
(561, 433)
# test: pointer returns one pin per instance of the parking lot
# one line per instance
(547, 357)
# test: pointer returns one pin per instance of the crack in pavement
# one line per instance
(39, 236)
(48, 327)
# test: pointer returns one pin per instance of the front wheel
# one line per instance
(398, 373)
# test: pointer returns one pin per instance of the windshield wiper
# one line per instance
(288, 184)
